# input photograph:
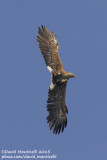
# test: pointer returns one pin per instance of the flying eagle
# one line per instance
(56, 107)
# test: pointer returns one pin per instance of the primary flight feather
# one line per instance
(56, 107)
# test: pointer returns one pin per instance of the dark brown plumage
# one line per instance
(56, 107)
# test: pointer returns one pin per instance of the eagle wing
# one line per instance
(57, 109)
(49, 49)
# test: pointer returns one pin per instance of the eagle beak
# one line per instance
(73, 76)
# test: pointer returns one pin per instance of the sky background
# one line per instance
(81, 30)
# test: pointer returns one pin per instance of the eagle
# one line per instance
(56, 106)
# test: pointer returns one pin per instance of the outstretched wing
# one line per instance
(57, 118)
(49, 49)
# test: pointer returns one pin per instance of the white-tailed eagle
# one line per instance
(56, 107)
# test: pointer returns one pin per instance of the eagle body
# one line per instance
(56, 107)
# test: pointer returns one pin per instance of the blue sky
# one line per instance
(81, 30)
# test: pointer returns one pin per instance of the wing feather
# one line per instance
(49, 48)
(57, 109)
